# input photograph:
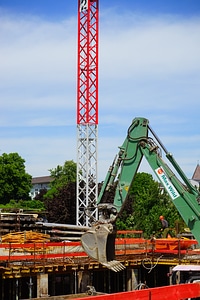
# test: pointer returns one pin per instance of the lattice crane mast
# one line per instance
(87, 111)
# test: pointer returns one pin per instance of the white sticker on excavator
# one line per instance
(173, 193)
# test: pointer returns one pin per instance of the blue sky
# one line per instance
(149, 66)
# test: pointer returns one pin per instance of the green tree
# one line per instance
(149, 201)
(62, 175)
(62, 207)
(26, 205)
(15, 183)
(60, 200)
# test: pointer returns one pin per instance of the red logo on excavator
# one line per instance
(160, 171)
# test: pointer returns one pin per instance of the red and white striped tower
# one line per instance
(87, 111)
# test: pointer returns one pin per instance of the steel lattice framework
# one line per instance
(87, 111)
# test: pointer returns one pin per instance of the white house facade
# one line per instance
(40, 183)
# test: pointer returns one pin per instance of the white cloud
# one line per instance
(38, 71)
(149, 67)
(37, 52)
(150, 47)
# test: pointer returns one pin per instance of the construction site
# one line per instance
(32, 266)
(92, 258)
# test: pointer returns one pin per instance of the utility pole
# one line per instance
(87, 111)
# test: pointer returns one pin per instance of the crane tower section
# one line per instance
(87, 112)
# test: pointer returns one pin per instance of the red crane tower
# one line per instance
(87, 111)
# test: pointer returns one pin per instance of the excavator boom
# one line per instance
(141, 141)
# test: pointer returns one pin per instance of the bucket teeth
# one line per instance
(114, 265)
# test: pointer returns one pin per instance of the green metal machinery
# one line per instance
(141, 141)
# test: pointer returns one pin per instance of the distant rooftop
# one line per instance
(42, 179)
(196, 175)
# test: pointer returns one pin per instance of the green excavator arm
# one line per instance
(141, 141)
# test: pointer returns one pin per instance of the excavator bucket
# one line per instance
(99, 243)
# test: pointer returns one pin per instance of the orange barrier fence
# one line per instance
(38, 251)
(123, 246)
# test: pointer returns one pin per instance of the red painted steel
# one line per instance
(40, 251)
(87, 97)
(174, 292)
(45, 244)
(53, 250)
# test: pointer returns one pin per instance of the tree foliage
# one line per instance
(62, 175)
(60, 200)
(26, 205)
(41, 194)
(62, 207)
(15, 183)
(149, 201)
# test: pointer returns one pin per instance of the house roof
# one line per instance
(43, 179)
(196, 175)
